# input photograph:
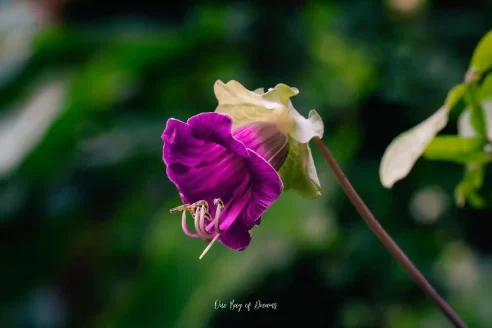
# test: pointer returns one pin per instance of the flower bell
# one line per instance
(231, 165)
(217, 173)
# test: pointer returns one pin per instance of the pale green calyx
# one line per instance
(244, 106)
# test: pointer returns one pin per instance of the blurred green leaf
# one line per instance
(482, 56)
(477, 114)
(456, 149)
(455, 96)
(467, 189)
(485, 91)
(465, 128)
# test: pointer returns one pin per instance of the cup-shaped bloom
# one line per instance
(208, 161)
(274, 107)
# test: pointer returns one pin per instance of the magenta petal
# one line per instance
(217, 128)
(240, 196)
(265, 139)
(211, 126)
(266, 187)
(180, 146)
(209, 180)
(237, 237)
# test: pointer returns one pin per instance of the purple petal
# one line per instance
(180, 146)
(209, 180)
(266, 139)
(237, 237)
(266, 187)
(240, 197)
(216, 128)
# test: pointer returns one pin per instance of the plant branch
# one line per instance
(383, 236)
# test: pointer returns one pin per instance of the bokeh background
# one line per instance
(86, 88)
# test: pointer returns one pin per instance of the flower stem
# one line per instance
(383, 236)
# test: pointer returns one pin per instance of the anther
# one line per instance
(190, 207)
(179, 208)
(201, 203)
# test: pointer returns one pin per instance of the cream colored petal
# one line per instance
(279, 96)
(306, 129)
(233, 93)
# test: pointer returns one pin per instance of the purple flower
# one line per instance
(231, 174)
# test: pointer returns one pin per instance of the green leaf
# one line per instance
(465, 128)
(455, 96)
(477, 114)
(482, 56)
(456, 149)
(298, 172)
(404, 150)
(485, 91)
(467, 189)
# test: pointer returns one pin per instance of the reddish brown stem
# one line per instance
(383, 236)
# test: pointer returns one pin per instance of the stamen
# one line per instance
(204, 228)
(179, 208)
(190, 208)
(201, 203)
(197, 221)
(199, 211)
(185, 227)
(203, 231)
(220, 206)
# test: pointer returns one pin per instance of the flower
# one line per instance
(275, 108)
(235, 162)
(225, 171)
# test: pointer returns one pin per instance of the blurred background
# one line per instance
(86, 88)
